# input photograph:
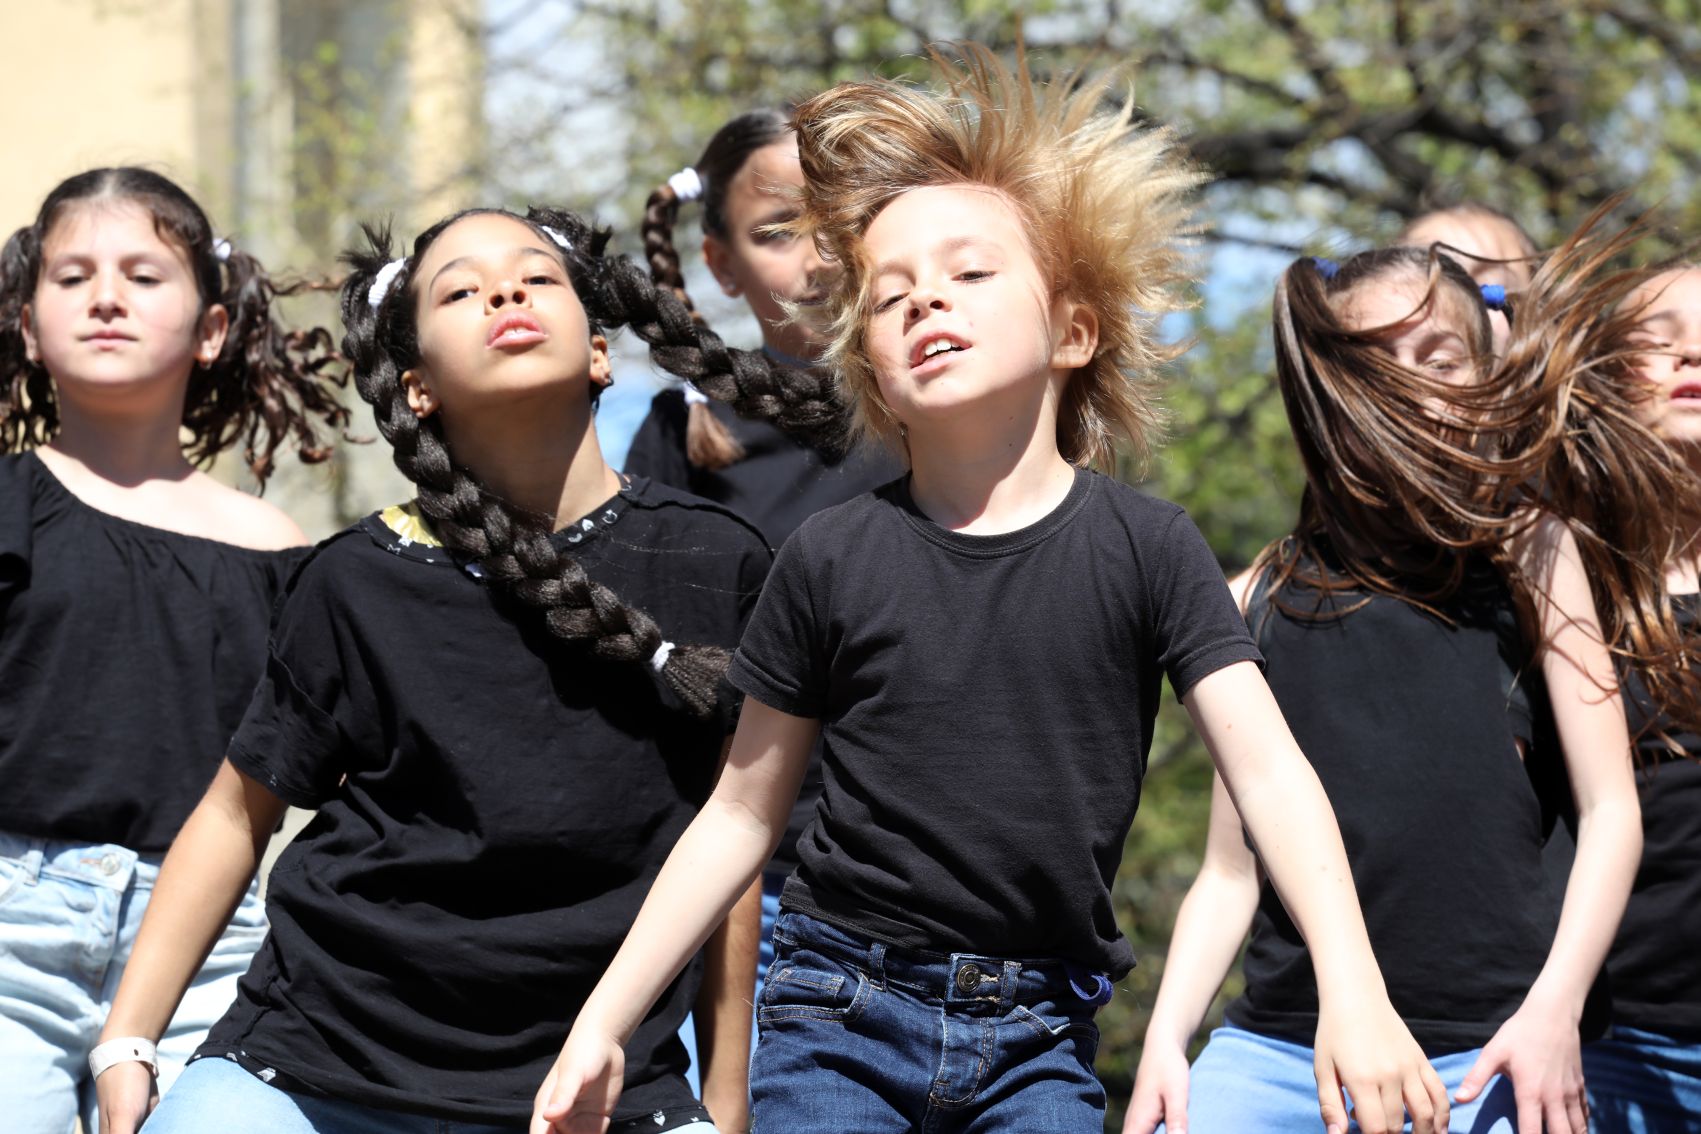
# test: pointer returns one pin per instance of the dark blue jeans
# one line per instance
(857, 1035)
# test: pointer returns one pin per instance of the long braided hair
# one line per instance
(513, 548)
(708, 442)
(269, 385)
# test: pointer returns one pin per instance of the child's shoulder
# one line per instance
(235, 517)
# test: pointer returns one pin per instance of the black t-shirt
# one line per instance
(987, 707)
(127, 655)
(779, 484)
(1412, 724)
(1655, 964)
(493, 806)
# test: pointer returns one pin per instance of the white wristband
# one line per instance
(127, 1049)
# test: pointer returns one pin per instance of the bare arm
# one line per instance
(711, 867)
(721, 1015)
(1362, 1045)
(209, 867)
(1213, 922)
(1539, 1047)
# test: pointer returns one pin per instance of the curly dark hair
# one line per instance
(268, 386)
(513, 548)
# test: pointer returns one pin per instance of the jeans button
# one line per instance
(109, 863)
(968, 978)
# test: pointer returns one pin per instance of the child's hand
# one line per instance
(128, 1093)
(1540, 1051)
(1366, 1049)
(579, 1093)
(1160, 1090)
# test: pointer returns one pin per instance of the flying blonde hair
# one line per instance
(1107, 205)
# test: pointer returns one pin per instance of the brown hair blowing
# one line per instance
(1107, 205)
(1399, 493)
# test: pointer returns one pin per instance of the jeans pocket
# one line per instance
(1058, 1022)
(807, 986)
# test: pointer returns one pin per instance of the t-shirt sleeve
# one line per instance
(781, 661)
(658, 448)
(1199, 627)
(294, 739)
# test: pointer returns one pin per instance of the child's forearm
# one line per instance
(1609, 846)
(1213, 921)
(710, 869)
(210, 865)
(1290, 821)
(722, 1012)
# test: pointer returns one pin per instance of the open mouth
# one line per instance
(933, 346)
(517, 328)
(1687, 392)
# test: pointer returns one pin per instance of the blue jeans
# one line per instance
(1642, 1083)
(860, 1036)
(216, 1096)
(1246, 1081)
(68, 919)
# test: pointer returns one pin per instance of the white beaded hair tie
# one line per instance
(687, 184)
(694, 396)
(382, 280)
(221, 250)
(659, 658)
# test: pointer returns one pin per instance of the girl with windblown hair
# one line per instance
(1477, 540)
(980, 647)
(135, 347)
(505, 701)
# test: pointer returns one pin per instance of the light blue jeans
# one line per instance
(1642, 1083)
(1245, 1081)
(68, 919)
(215, 1096)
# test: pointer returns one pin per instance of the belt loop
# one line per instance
(877, 963)
(1009, 983)
(32, 861)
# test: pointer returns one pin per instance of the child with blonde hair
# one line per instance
(980, 647)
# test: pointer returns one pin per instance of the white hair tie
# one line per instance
(382, 280)
(694, 396)
(659, 658)
(557, 236)
(687, 184)
(221, 250)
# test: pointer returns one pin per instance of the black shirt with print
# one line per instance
(493, 806)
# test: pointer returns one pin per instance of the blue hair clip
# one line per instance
(1494, 296)
(1325, 267)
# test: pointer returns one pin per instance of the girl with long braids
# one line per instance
(1644, 1077)
(1432, 631)
(505, 701)
(748, 180)
(135, 347)
(981, 646)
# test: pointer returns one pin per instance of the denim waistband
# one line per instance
(96, 864)
(951, 978)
